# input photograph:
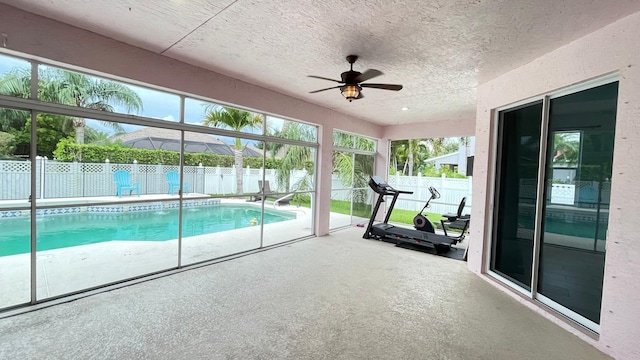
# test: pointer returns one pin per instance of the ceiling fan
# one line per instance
(353, 82)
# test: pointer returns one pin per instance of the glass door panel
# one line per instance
(342, 185)
(362, 195)
(288, 210)
(340, 215)
(576, 211)
(223, 214)
(103, 215)
(514, 217)
(15, 209)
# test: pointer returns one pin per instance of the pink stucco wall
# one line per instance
(52, 40)
(612, 49)
(431, 129)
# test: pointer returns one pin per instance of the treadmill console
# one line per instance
(378, 185)
(381, 187)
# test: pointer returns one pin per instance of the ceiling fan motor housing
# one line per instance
(353, 82)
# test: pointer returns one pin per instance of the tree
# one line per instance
(408, 156)
(566, 148)
(7, 144)
(97, 137)
(91, 93)
(352, 169)
(234, 119)
(50, 130)
(16, 83)
(70, 88)
(410, 153)
(343, 162)
(295, 157)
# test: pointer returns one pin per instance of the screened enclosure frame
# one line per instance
(34, 107)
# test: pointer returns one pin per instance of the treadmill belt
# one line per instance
(454, 253)
(420, 235)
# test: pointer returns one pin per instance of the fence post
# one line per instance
(221, 182)
(40, 172)
(246, 178)
(199, 178)
(77, 188)
(107, 173)
(420, 187)
(134, 174)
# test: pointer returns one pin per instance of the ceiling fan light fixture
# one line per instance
(350, 92)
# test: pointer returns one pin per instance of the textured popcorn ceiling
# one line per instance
(439, 50)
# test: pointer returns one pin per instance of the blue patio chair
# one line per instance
(587, 196)
(173, 179)
(123, 182)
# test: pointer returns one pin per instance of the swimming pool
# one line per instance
(66, 230)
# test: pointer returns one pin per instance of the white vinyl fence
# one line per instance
(579, 193)
(451, 192)
(72, 179)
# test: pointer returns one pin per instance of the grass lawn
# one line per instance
(398, 215)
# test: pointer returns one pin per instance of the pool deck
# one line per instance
(66, 270)
(98, 200)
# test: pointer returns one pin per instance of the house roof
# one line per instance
(166, 139)
(453, 157)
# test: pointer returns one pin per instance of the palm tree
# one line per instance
(409, 152)
(416, 151)
(15, 83)
(295, 157)
(87, 92)
(234, 119)
(566, 148)
(74, 89)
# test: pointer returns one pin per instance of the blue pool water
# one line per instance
(65, 230)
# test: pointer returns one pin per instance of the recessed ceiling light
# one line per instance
(405, 108)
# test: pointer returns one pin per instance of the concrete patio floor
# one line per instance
(333, 297)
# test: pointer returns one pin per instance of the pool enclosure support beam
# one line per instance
(33, 149)
(181, 182)
(263, 178)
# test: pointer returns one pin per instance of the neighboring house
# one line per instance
(456, 161)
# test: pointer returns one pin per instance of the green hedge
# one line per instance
(68, 150)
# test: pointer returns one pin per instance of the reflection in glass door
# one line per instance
(576, 209)
(553, 182)
(514, 220)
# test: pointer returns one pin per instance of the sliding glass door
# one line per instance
(579, 157)
(516, 196)
(553, 181)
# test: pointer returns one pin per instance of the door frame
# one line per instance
(532, 294)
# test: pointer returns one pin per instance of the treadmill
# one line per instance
(390, 233)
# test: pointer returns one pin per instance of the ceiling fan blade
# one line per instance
(324, 78)
(367, 75)
(334, 87)
(383, 86)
